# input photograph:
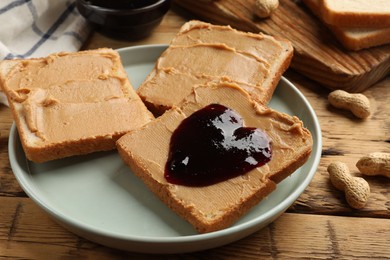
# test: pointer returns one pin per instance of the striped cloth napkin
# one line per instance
(36, 28)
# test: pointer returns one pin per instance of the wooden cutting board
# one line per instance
(317, 54)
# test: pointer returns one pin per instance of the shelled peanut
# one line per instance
(375, 164)
(264, 8)
(356, 189)
(358, 104)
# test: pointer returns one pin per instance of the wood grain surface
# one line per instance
(319, 225)
(318, 54)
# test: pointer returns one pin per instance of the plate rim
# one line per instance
(249, 225)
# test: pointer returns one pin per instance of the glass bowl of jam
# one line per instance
(124, 19)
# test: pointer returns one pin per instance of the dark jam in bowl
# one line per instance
(124, 19)
(212, 145)
(122, 4)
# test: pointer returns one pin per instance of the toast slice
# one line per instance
(71, 103)
(350, 37)
(357, 13)
(202, 52)
(216, 206)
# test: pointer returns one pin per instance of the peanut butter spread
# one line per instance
(217, 60)
(202, 52)
(288, 139)
(259, 46)
(66, 97)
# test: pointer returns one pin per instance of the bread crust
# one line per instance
(188, 213)
(41, 149)
(352, 38)
(148, 163)
(358, 39)
(262, 93)
(374, 14)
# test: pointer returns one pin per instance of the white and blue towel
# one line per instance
(36, 28)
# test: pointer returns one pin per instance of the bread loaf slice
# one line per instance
(350, 37)
(217, 206)
(357, 13)
(202, 52)
(71, 103)
(361, 38)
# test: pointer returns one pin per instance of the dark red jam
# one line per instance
(212, 145)
(122, 4)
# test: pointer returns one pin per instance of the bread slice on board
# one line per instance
(357, 13)
(350, 37)
(202, 52)
(361, 38)
(71, 103)
(217, 206)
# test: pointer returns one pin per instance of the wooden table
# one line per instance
(318, 225)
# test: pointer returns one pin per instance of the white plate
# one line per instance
(97, 197)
